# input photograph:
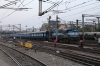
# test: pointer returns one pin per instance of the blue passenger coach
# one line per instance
(42, 35)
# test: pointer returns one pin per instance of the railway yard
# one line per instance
(49, 33)
(46, 55)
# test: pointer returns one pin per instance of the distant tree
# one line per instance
(87, 28)
(79, 29)
(98, 28)
(44, 25)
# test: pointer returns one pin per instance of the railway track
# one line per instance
(91, 50)
(84, 59)
(65, 46)
(89, 43)
(21, 58)
(16, 61)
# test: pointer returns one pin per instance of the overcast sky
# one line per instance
(70, 10)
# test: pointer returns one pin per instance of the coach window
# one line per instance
(42, 34)
(86, 35)
(39, 34)
(34, 34)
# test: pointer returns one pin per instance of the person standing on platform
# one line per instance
(81, 43)
(55, 43)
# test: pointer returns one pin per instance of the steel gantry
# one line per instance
(87, 15)
(8, 4)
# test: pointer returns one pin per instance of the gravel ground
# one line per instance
(22, 59)
(6, 59)
(50, 60)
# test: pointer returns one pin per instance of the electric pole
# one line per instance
(40, 7)
(70, 24)
(77, 23)
(56, 27)
(13, 30)
(98, 21)
(83, 27)
(1, 31)
(49, 25)
(20, 31)
(94, 26)
(20, 28)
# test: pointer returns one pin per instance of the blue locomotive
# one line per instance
(67, 36)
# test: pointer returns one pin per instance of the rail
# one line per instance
(42, 64)
(18, 64)
(84, 59)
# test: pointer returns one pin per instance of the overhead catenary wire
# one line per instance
(28, 3)
(61, 1)
(6, 11)
(13, 11)
(10, 13)
(39, 18)
(88, 1)
(83, 10)
(70, 8)
(90, 9)
(18, 7)
(76, 5)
